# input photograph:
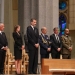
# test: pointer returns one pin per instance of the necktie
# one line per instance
(33, 28)
(57, 38)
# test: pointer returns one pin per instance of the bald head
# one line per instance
(1, 26)
(44, 30)
(67, 31)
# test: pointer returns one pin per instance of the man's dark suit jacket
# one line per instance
(44, 46)
(32, 36)
(55, 45)
(3, 40)
(3, 43)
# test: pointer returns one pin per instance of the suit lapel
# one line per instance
(3, 35)
(33, 31)
(55, 37)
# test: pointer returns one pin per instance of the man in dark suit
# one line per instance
(44, 42)
(56, 44)
(3, 47)
(33, 35)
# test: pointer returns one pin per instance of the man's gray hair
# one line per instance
(1, 23)
(43, 28)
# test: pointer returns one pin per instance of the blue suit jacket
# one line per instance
(44, 46)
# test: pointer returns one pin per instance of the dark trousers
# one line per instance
(45, 55)
(2, 60)
(55, 55)
(33, 61)
(66, 56)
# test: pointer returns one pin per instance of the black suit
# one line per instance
(44, 46)
(3, 43)
(33, 36)
(55, 45)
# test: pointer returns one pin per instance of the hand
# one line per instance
(59, 49)
(5, 48)
(48, 49)
(37, 45)
(23, 47)
(70, 48)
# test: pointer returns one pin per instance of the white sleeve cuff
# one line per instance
(2, 47)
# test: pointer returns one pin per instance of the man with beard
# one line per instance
(67, 45)
(33, 36)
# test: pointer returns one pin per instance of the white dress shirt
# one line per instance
(57, 37)
(32, 27)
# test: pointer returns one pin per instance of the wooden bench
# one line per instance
(58, 66)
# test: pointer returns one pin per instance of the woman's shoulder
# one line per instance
(14, 33)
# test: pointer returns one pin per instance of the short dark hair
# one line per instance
(15, 28)
(55, 28)
(32, 19)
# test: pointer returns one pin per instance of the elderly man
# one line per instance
(44, 42)
(67, 45)
(3, 47)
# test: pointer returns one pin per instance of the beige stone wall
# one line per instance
(72, 23)
(15, 11)
(8, 21)
(72, 14)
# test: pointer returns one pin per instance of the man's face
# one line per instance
(34, 23)
(2, 27)
(56, 31)
(44, 31)
(67, 31)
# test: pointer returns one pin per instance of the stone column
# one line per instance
(30, 11)
(55, 13)
(8, 21)
(27, 14)
(21, 14)
(48, 14)
(34, 9)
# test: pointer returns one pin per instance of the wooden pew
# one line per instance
(58, 66)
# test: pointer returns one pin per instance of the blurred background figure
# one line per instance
(18, 47)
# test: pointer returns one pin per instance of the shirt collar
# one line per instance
(32, 26)
(56, 34)
(0, 31)
(43, 34)
(66, 35)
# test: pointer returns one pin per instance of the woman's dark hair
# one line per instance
(15, 28)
